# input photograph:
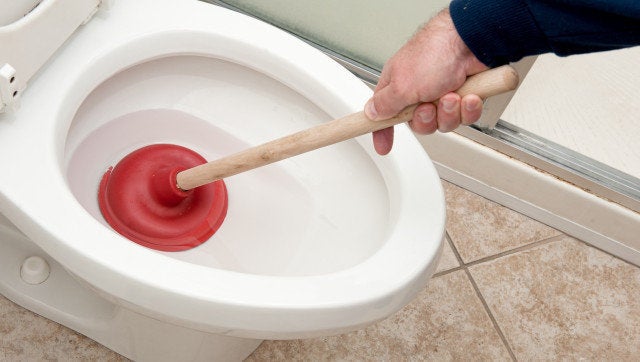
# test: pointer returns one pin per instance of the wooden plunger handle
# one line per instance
(485, 84)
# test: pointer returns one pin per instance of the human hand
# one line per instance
(430, 66)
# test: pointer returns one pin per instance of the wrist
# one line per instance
(465, 57)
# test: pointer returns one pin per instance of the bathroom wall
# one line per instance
(366, 31)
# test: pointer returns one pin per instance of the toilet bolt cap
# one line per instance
(34, 270)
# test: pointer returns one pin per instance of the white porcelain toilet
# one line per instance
(322, 243)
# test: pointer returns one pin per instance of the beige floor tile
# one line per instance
(25, 336)
(564, 300)
(448, 259)
(446, 322)
(480, 228)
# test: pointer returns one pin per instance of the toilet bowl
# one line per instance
(319, 244)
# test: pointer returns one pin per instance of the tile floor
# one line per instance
(507, 288)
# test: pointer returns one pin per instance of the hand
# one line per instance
(432, 64)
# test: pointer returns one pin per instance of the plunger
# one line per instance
(169, 198)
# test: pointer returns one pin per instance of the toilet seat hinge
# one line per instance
(9, 92)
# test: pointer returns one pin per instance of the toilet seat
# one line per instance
(35, 196)
(28, 40)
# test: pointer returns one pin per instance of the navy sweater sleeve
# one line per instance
(503, 31)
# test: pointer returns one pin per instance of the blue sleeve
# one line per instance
(503, 31)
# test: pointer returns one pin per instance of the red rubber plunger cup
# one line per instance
(140, 199)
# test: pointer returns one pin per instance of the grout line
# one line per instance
(447, 239)
(453, 247)
(515, 250)
(491, 317)
(448, 271)
(464, 267)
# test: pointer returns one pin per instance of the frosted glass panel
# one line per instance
(366, 31)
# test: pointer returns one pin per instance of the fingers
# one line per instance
(424, 119)
(383, 141)
(449, 114)
(470, 109)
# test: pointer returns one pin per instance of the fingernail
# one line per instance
(370, 110)
(448, 105)
(471, 106)
(426, 116)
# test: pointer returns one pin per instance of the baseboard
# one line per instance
(539, 195)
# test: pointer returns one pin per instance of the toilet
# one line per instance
(323, 243)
